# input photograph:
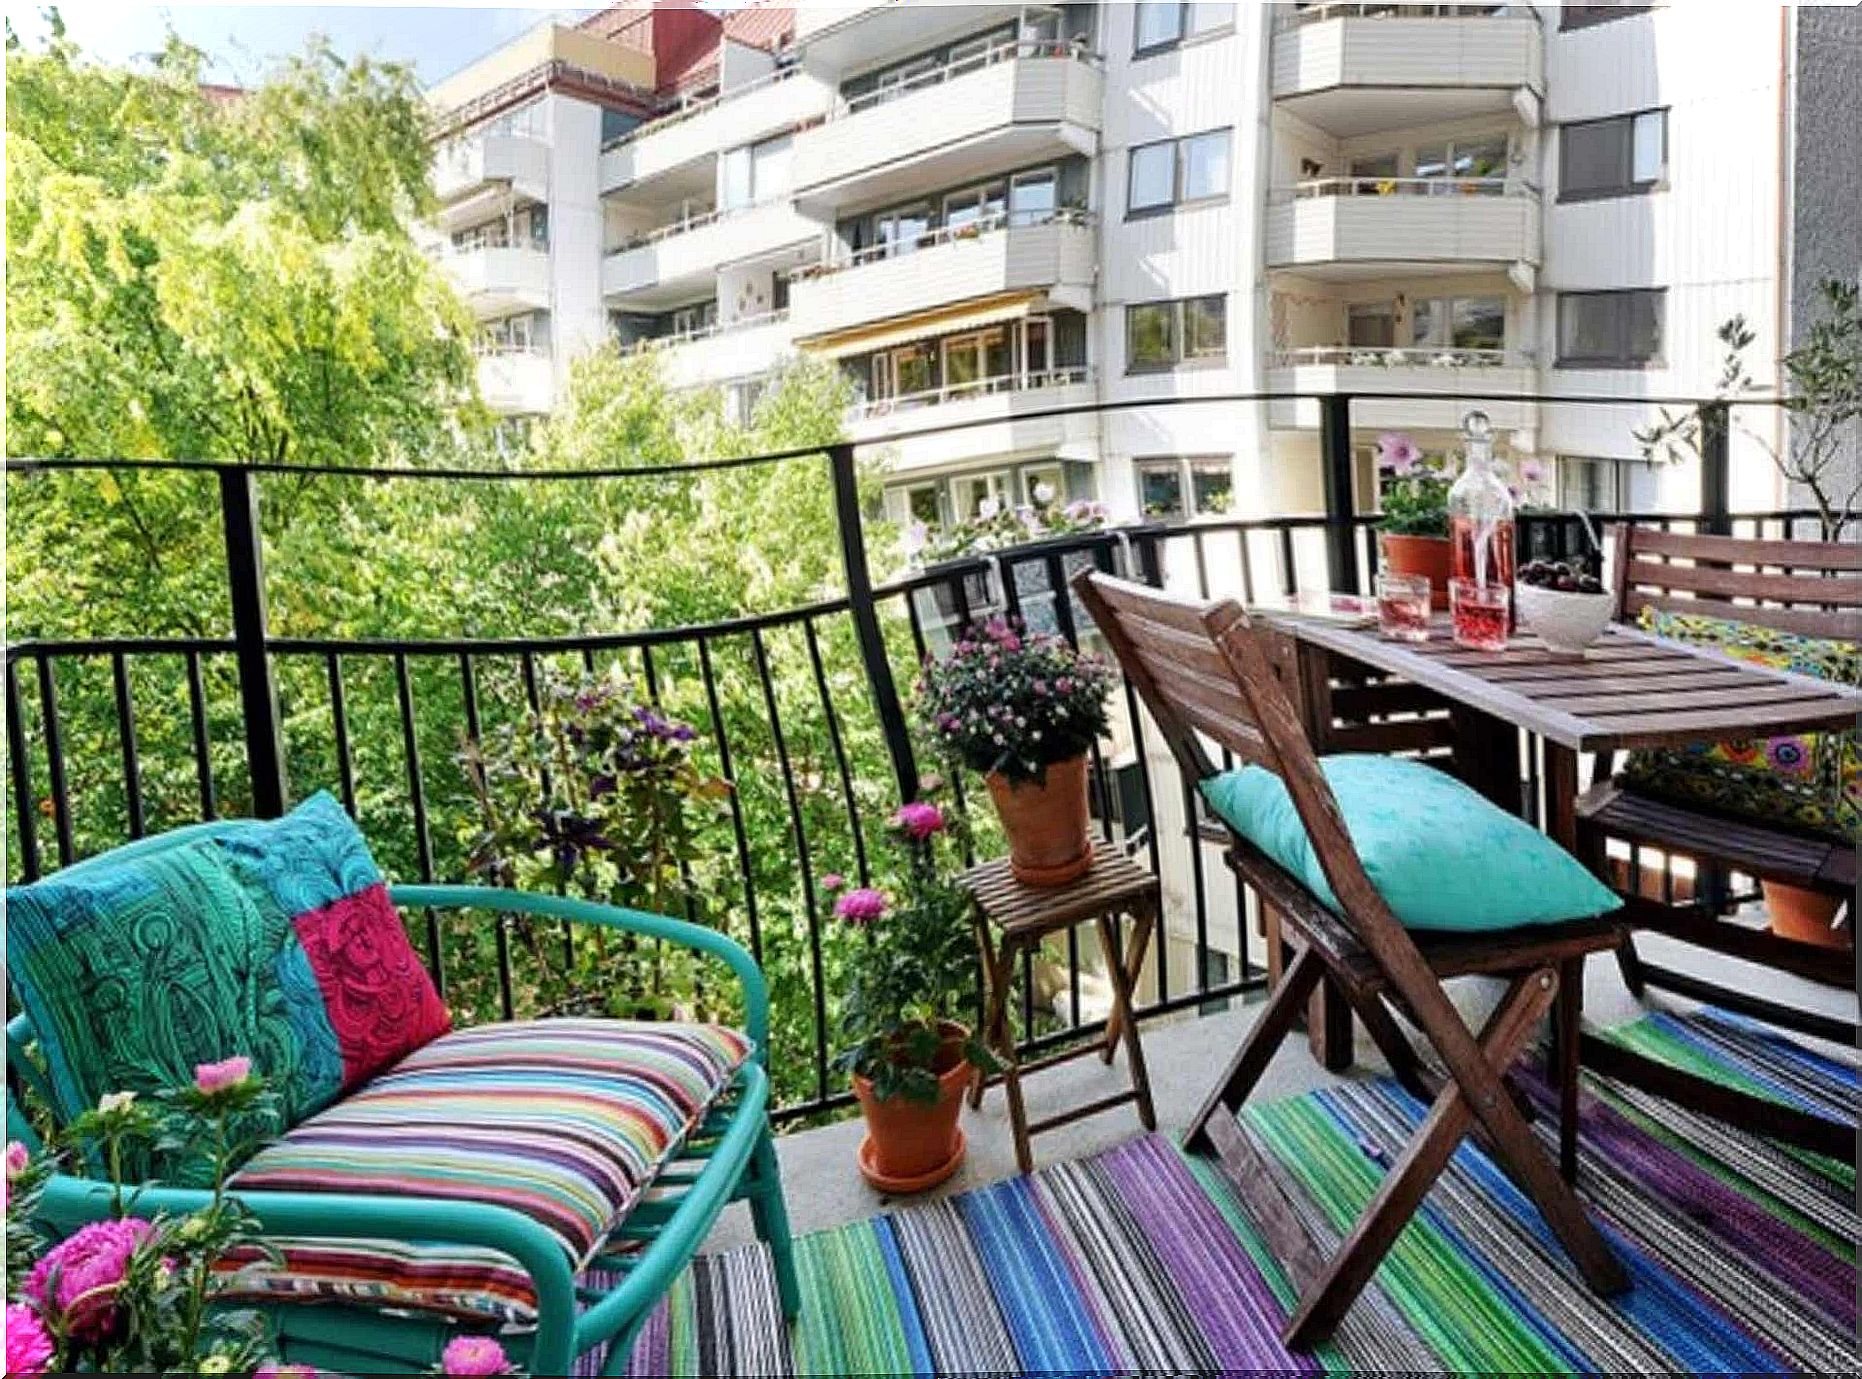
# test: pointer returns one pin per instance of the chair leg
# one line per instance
(1629, 963)
(769, 1211)
(1567, 1041)
(1251, 1059)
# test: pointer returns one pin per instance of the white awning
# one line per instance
(901, 330)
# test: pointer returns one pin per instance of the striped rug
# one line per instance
(1140, 1260)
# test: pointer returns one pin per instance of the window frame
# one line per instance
(1179, 146)
(1178, 335)
(1629, 186)
(1183, 471)
(1183, 36)
(1621, 360)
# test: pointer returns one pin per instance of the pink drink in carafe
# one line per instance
(1480, 513)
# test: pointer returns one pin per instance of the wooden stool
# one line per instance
(1024, 915)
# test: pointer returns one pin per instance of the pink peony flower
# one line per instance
(474, 1355)
(17, 1157)
(832, 882)
(919, 820)
(1397, 453)
(861, 906)
(1532, 471)
(28, 1344)
(85, 1270)
(228, 1073)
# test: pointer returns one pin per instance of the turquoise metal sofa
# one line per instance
(729, 1156)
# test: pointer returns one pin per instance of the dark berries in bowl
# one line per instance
(1567, 577)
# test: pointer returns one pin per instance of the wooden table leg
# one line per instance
(1121, 1006)
(1487, 755)
(997, 976)
(1142, 922)
(1561, 796)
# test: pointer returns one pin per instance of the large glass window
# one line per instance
(898, 232)
(736, 179)
(1157, 27)
(1476, 164)
(1607, 485)
(1617, 156)
(1177, 487)
(1178, 171)
(1033, 196)
(973, 206)
(1611, 330)
(1463, 323)
(1162, 335)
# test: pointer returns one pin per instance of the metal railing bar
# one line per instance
(19, 765)
(417, 796)
(126, 734)
(501, 924)
(55, 761)
(339, 725)
(839, 748)
(203, 747)
(729, 773)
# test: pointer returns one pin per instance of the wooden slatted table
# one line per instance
(1011, 919)
(1632, 689)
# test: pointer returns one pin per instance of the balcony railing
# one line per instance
(868, 408)
(118, 736)
(950, 71)
(705, 332)
(1300, 15)
(946, 234)
(689, 109)
(1392, 357)
(1405, 186)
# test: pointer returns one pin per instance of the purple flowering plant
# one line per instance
(1010, 700)
(595, 793)
(1414, 487)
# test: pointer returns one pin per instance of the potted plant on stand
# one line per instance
(1414, 524)
(910, 1058)
(1024, 709)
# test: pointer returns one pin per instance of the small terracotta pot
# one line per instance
(1050, 832)
(1428, 556)
(912, 1145)
(1804, 916)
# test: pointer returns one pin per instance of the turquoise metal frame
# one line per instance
(730, 1157)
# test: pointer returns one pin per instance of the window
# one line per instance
(1463, 323)
(1583, 16)
(1610, 330)
(904, 371)
(753, 174)
(690, 320)
(1162, 335)
(1043, 485)
(1604, 485)
(1370, 325)
(974, 359)
(1178, 488)
(1033, 196)
(1618, 156)
(900, 231)
(924, 503)
(1177, 172)
(1157, 27)
(973, 490)
(974, 206)
(1476, 164)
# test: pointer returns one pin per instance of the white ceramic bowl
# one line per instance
(1565, 622)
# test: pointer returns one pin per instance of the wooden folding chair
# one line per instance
(1201, 669)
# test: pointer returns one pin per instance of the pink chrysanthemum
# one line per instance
(87, 1268)
(28, 1344)
(474, 1355)
(17, 1157)
(212, 1078)
(919, 820)
(861, 906)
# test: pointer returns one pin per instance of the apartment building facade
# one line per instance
(988, 213)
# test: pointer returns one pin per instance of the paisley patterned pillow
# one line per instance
(1811, 781)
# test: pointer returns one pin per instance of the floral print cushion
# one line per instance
(1809, 781)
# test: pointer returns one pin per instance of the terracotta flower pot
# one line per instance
(1050, 832)
(1428, 556)
(1804, 916)
(912, 1145)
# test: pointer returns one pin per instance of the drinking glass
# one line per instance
(1479, 614)
(1403, 606)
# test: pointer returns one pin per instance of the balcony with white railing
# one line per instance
(694, 132)
(474, 167)
(1052, 253)
(1352, 69)
(669, 261)
(516, 381)
(1354, 227)
(498, 279)
(1489, 377)
(1003, 415)
(1014, 104)
(719, 352)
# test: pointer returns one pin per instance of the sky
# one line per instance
(437, 39)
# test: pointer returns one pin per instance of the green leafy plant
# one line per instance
(595, 793)
(133, 1294)
(1014, 701)
(917, 970)
(1822, 397)
(1415, 488)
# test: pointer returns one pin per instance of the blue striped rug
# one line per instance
(1140, 1260)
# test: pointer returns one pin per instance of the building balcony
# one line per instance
(988, 416)
(516, 382)
(1488, 376)
(694, 133)
(727, 350)
(473, 176)
(1013, 105)
(1339, 228)
(946, 270)
(496, 280)
(668, 264)
(1355, 69)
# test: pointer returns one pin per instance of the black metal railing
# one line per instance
(799, 710)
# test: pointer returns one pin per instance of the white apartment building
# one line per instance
(987, 213)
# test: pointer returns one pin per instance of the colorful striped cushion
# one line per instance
(566, 1121)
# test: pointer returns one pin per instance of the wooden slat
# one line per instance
(1527, 678)
(1693, 677)
(1114, 882)
(1400, 735)
(1166, 649)
(1690, 924)
(1259, 1190)
(1687, 697)
(1671, 726)
(1744, 844)
(1734, 550)
(1711, 580)
(1354, 703)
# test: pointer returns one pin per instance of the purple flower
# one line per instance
(29, 1346)
(214, 1079)
(919, 820)
(1397, 453)
(17, 1157)
(76, 1280)
(474, 1355)
(1532, 471)
(832, 882)
(861, 906)
(1788, 755)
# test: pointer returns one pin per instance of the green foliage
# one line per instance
(1414, 496)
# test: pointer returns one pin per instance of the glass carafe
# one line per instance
(1480, 511)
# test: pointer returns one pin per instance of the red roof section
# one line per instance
(684, 38)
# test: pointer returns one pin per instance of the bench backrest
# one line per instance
(1812, 588)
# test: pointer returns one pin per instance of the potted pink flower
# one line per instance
(1413, 527)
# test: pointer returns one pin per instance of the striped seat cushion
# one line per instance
(566, 1121)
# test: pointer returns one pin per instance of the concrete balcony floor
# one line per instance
(1184, 1057)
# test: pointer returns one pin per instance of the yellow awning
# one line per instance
(900, 330)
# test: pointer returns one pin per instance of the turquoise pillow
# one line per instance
(1442, 856)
